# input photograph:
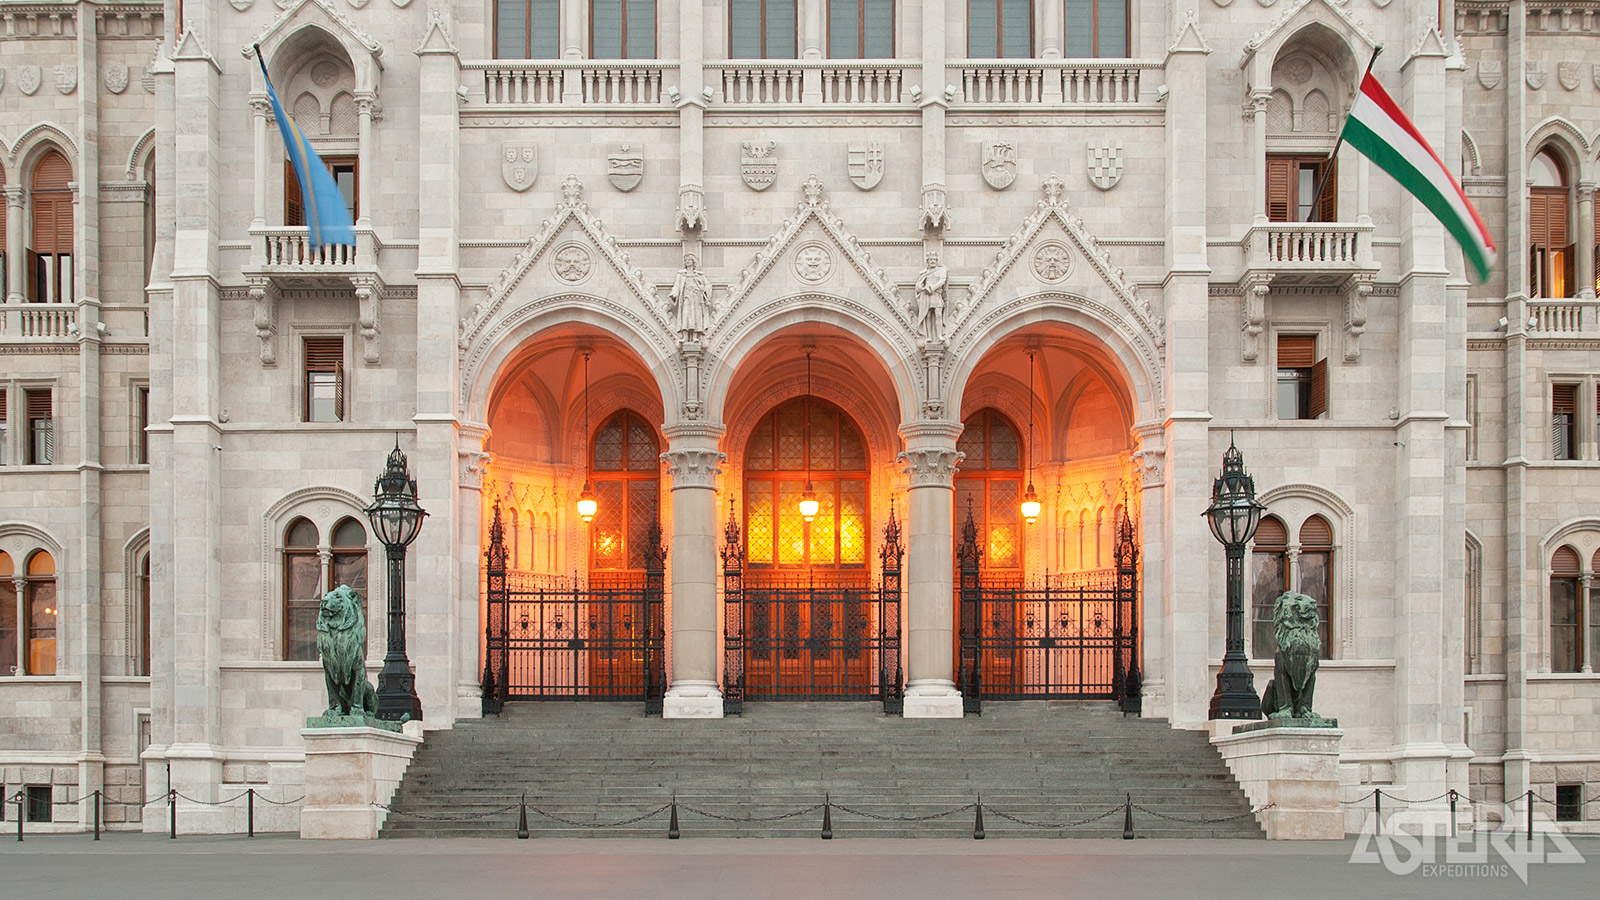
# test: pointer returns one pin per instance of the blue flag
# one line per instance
(327, 218)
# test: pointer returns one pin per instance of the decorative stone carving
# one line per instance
(2, 78)
(1052, 262)
(690, 301)
(241, 5)
(571, 263)
(999, 164)
(519, 165)
(1294, 671)
(1535, 74)
(758, 164)
(66, 78)
(357, 4)
(1567, 74)
(1151, 466)
(691, 207)
(147, 80)
(864, 161)
(1105, 163)
(1355, 317)
(1253, 309)
(812, 262)
(369, 297)
(694, 468)
(934, 213)
(402, 3)
(931, 286)
(28, 79)
(116, 77)
(625, 166)
(1490, 71)
(472, 463)
(264, 303)
(930, 468)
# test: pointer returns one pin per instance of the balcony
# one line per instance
(831, 82)
(284, 256)
(32, 323)
(589, 82)
(1308, 253)
(1069, 82)
(1564, 317)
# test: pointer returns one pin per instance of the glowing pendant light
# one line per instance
(587, 505)
(1030, 500)
(808, 499)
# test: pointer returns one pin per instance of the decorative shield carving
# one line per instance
(758, 164)
(1567, 74)
(1596, 74)
(66, 78)
(1536, 75)
(28, 78)
(240, 5)
(147, 80)
(625, 165)
(519, 165)
(2, 79)
(116, 77)
(358, 3)
(1105, 163)
(1490, 72)
(864, 160)
(999, 164)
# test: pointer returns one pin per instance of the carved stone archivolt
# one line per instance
(694, 467)
(930, 467)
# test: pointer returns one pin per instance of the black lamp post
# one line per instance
(396, 517)
(1233, 515)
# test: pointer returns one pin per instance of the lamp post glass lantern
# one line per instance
(1233, 516)
(396, 518)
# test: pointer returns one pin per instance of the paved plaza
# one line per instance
(138, 866)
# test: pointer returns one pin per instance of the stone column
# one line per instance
(811, 48)
(931, 458)
(691, 128)
(1586, 240)
(1585, 620)
(934, 214)
(474, 460)
(260, 118)
(16, 269)
(693, 462)
(1256, 112)
(366, 113)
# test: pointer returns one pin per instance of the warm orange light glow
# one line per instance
(587, 505)
(809, 504)
(1030, 505)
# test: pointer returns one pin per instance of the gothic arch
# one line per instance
(1582, 533)
(142, 148)
(1315, 500)
(1320, 24)
(1469, 154)
(325, 506)
(20, 539)
(35, 142)
(1559, 134)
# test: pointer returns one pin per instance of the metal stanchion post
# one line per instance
(977, 821)
(1377, 809)
(172, 814)
(672, 826)
(1452, 813)
(19, 817)
(1530, 816)
(97, 815)
(250, 811)
(522, 817)
(827, 818)
(1127, 817)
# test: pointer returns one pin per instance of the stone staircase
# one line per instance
(603, 763)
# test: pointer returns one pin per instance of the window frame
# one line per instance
(49, 275)
(341, 373)
(30, 425)
(625, 477)
(527, 30)
(861, 29)
(979, 477)
(27, 628)
(999, 30)
(770, 483)
(1552, 254)
(1311, 381)
(294, 210)
(1284, 172)
(1094, 30)
(622, 38)
(1565, 395)
(764, 53)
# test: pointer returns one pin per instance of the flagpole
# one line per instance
(1327, 165)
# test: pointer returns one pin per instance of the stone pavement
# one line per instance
(151, 867)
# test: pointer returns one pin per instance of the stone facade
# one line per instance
(1104, 218)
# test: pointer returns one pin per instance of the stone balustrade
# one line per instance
(1077, 82)
(571, 82)
(1563, 316)
(289, 250)
(1309, 250)
(38, 321)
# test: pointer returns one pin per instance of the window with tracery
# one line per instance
(780, 454)
(626, 462)
(989, 483)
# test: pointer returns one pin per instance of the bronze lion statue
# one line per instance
(1294, 674)
(342, 642)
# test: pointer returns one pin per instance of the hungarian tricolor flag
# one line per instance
(1382, 133)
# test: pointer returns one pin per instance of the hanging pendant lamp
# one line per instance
(587, 505)
(808, 498)
(1030, 500)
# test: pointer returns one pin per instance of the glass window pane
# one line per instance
(8, 628)
(605, 24)
(349, 533)
(351, 569)
(301, 534)
(606, 529)
(791, 527)
(1004, 529)
(782, 42)
(758, 521)
(758, 453)
(1079, 19)
(852, 447)
(608, 446)
(1016, 28)
(1564, 650)
(844, 29)
(878, 24)
(510, 24)
(824, 428)
(853, 523)
(1545, 171)
(1315, 582)
(1113, 28)
(324, 389)
(824, 528)
(1004, 449)
(983, 28)
(302, 578)
(744, 29)
(41, 627)
(641, 29)
(1266, 584)
(642, 454)
(642, 513)
(300, 631)
(545, 26)
(791, 429)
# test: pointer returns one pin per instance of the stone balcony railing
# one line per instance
(830, 82)
(38, 322)
(507, 82)
(285, 255)
(1080, 82)
(1309, 252)
(1567, 316)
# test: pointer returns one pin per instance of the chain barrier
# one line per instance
(1259, 809)
(427, 818)
(1021, 821)
(777, 818)
(633, 821)
(881, 818)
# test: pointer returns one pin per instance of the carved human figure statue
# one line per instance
(930, 298)
(690, 300)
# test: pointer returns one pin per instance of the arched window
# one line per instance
(141, 657)
(41, 611)
(50, 243)
(860, 29)
(1269, 574)
(990, 485)
(762, 29)
(348, 563)
(1315, 575)
(1550, 250)
(999, 28)
(777, 461)
(1566, 636)
(1095, 28)
(5, 286)
(622, 29)
(626, 461)
(527, 29)
(149, 216)
(10, 618)
(302, 590)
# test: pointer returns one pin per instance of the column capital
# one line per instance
(694, 467)
(931, 433)
(693, 434)
(931, 467)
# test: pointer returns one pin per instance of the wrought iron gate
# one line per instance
(800, 640)
(1067, 638)
(553, 638)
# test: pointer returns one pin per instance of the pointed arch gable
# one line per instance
(305, 503)
(1326, 16)
(1295, 503)
(35, 142)
(1559, 134)
(142, 148)
(310, 23)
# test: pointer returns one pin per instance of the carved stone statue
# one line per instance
(690, 300)
(1294, 674)
(342, 643)
(930, 299)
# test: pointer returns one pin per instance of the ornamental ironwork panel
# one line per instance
(1063, 637)
(559, 638)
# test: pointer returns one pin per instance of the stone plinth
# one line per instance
(1296, 771)
(347, 771)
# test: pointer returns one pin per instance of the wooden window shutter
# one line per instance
(325, 355)
(1328, 203)
(1271, 534)
(1569, 273)
(3, 206)
(1319, 389)
(1564, 399)
(1297, 351)
(43, 239)
(293, 209)
(338, 387)
(1556, 220)
(38, 404)
(52, 205)
(1316, 534)
(1280, 189)
(1564, 564)
(1538, 219)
